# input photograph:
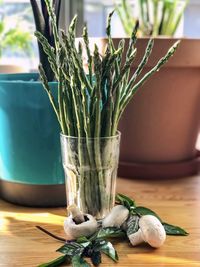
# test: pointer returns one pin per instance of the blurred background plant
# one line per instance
(13, 37)
(93, 12)
(156, 17)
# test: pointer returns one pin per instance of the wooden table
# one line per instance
(177, 201)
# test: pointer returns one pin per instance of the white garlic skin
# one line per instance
(116, 217)
(152, 231)
(74, 231)
(136, 238)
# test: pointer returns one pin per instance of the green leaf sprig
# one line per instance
(75, 252)
(140, 211)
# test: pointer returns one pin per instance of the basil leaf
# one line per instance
(83, 241)
(145, 211)
(130, 204)
(109, 232)
(56, 262)
(78, 261)
(125, 201)
(71, 249)
(108, 249)
(96, 258)
(169, 228)
(132, 224)
(174, 230)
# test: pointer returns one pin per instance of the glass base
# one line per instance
(90, 166)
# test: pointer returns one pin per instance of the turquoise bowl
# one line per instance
(29, 132)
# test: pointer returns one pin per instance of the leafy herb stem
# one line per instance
(50, 234)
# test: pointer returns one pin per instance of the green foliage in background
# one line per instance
(156, 17)
(14, 38)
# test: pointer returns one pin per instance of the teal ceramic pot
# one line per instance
(30, 159)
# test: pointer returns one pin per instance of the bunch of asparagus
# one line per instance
(157, 17)
(90, 104)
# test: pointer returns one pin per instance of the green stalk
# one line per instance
(128, 14)
(61, 88)
(172, 14)
(107, 115)
(97, 131)
(110, 41)
(74, 81)
(60, 104)
(89, 60)
(119, 87)
(49, 51)
(178, 18)
(129, 52)
(76, 59)
(155, 21)
(139, 69)
(133, 39)
(144, 14)
(108, 105)
(88, 155)
(84, 85)
(53, 23)
(166, 25)
(126, 24)
(163, 19)
(47, 89)
(135, 88)
(81, 179)
(68, 113)
(124, 70)
(97, 69)
(86, 123)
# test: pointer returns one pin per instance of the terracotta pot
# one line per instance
(11, 69)
(161, 123)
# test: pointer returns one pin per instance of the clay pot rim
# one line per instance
(144, 38)
(160, 170)
(187, 54)
(21, 78)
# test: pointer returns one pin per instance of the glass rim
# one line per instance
(91, 138)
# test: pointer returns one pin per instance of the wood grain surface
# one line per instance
(177, 201)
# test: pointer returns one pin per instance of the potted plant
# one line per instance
(162, 122)
(15, 40)
(30, 167)
(157, 18)
(90, 104)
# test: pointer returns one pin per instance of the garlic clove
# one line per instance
(77, 215)
(152, 231)
(136, 238)
(86, 228)
(116, 217)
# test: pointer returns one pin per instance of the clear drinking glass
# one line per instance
(90, 166)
